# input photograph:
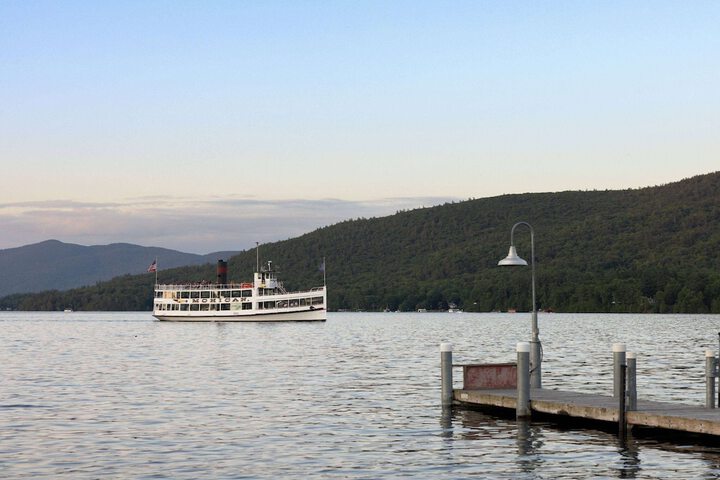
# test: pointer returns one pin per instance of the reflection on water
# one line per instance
(527, 448)
(629, 458)
(100, 395)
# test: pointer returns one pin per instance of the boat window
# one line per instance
(194, 294)
(225, 306)
(317, 300)
(247, 306)
(158, 294)
(225, 293)
(236, 293)
(268, 304)
(204, 307)
(205, 294)
(184, 294)
(195, 307)
(247, 293)
(184, 306)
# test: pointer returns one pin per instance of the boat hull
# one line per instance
(316, 315)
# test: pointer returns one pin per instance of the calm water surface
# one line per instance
(118, 395)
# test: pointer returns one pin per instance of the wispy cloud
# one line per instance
(187, 224)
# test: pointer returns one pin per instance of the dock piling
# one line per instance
(631, 381)
(622, 413)
(618, 360)
(522, 409)
(446, 379)
(709, 379)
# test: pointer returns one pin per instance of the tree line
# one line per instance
(654, 249)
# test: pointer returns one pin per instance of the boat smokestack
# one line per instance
(222, 272)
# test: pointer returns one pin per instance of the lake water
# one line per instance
(118, 395)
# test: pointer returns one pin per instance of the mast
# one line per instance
(257, 256)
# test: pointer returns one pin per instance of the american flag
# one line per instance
(153, 266)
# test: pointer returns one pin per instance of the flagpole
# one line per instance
(324, 272)
(156, 271)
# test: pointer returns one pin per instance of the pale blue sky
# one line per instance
(372, 105)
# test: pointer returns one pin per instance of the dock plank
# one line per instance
(669, 416)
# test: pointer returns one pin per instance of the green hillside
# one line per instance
(654, 249)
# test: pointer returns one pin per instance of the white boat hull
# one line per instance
(316, 315)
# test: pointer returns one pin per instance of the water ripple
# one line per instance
(118, 395)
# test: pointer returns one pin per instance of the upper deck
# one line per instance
(230, 290)
(203, 286)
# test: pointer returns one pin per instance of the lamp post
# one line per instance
(535, 346)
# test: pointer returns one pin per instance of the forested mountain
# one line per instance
(57, 265)
(653, 249)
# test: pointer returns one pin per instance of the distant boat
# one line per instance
(422, 310)
(452, 308)
(511, 310)
(68, 310)
(263, 300)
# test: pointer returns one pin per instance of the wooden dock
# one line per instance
(588, 407)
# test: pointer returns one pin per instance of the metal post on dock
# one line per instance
(618, 360)
(446, 379)
(709, 379)
(622, 418)
(522, 408)
(631, 381)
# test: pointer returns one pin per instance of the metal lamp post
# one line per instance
(535, 346)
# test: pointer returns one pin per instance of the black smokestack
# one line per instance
(222, 272)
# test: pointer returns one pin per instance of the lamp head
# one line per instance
(512, 258)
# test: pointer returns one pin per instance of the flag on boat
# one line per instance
(153, 266)
(322, 266)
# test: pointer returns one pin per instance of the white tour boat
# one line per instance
(263, 300)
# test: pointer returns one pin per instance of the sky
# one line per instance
(210, 125)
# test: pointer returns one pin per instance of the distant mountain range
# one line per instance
(54, 265)
(654, 249)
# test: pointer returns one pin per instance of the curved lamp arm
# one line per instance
(535, 330)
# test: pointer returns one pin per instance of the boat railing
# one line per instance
(229, 286)
(204, 286)
(294, 292)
